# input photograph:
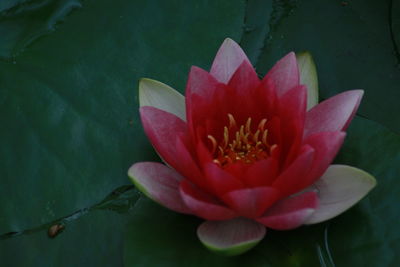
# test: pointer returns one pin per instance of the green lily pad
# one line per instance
(256, 28)
(22, 22)
(94, 240)
(89, 237)
(68, 102)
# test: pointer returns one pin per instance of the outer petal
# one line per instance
(285, 74)
(308, 77)
(159, 183)
(231, 237)
(291, 180)
(333, 114)
(204, 205)
(227, 60)
(291, 212)
(251, 202)
(339, 189)
(163, 129)
(156, 94)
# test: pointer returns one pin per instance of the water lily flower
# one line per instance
(247, 154)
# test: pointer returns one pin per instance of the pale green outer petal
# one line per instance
(308, 77)
(159, 95)
(339, 189)
(231, 237)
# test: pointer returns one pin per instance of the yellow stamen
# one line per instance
(241, 144)
(232, 122)
(264, 137)
(261, 125)
(226, 136)
(213, 141)
(248, 124)
(255, 136)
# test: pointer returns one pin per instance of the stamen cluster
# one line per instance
(241, 143)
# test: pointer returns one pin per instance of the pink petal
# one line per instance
(333, 114)
(267, 95)
(242, 95)
(163, 129)
(285, 74)
(292, 109)
(200, 83)
(227, 60)
(251, 202)
(231, 237)
(326, 145)
(293, 103)
(187, 165)
(220, 180)
(203, 153)
(291, 212)
(159, 183)
(261, 173)
(291, 179)
(244, 80)
(200, 90)
(204, 205)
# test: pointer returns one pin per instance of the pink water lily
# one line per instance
(247, 154)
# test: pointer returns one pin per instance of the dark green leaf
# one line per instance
(93, 240)
(353, 48)
(394, 20)
(256, 27)
(25, 21)
(68, 102)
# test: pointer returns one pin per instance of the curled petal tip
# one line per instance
(308, 77)
(159, 95)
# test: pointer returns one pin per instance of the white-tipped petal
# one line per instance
(339, 189)
(231, 237)
(228, 59)
(159, 95)
(308, 77)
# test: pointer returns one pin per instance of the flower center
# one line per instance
(241, 143)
